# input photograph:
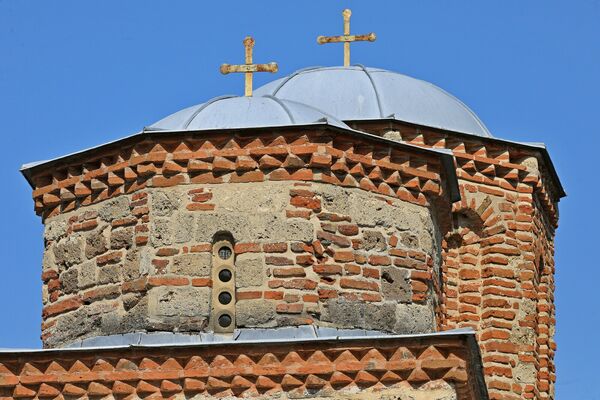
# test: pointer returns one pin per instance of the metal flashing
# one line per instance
(250, 337)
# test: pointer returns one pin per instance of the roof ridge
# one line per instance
(285, 108)
(204, 105)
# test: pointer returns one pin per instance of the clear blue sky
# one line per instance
(75, 74)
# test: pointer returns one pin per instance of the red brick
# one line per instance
(495, 260)
(241, 248)
(166, 252)
(318, 160)
(305, 259)
(371, 272)
(352, 269)
(348, 283)
(136, 285)
(305, 202)
(502, 314)
(310, 298)
(276, 260)
(112, 257)
(318, 247)
(328, 293)
(280, 174)
(343, 256)
(328, 227)
(53, 284)
(333, 217)
(49, 274)
(273, 295)
(223, 164)
(297, 283)
(348, 229)
(161, 265)
(288, 272)
(248, 295)
(207, 177)
(327, 269)
(497, 272)
(202, 282)
(250, 176)
(379, 260)
(161, 181)
(335, 239)
(139, 196)
(304, 174)
(139, 211)
(202, 197)
(371, 297)
(298, 214)
(501, 303)
(291, 298)
(275, 247)
(467, 274)
(418, 286)
(290, 308)
(103, 292)
(62, 306)
(141, 228)
(85, 226)
(200, 207)
(168, 281)
(201, 248)
(301, 193)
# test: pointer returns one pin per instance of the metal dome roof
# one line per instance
(229, 112)
(359, 93)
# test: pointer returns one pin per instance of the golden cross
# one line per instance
(346, 38)
(248, 69)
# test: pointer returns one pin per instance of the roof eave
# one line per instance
(446, 157)
(540, 147)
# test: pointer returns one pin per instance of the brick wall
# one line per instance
(498, 263)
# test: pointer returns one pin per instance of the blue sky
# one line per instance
(75, 74)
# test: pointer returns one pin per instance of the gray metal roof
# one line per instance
(233, 112)
(291, 333)
(360, 93)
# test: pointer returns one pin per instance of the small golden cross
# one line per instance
(248, 69)
(346, 38)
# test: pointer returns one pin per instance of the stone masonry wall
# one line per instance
(498, 264)
(305, 253)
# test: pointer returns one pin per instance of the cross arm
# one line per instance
(228, 69)
(346, 38)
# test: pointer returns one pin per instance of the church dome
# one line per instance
(234, 112)
(359, 93)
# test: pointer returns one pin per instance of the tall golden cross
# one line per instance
(248, 68)
(346, 38)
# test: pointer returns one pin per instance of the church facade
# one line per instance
(344, 232)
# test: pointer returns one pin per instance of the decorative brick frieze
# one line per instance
(491, 162)
(157, 161)
(434, 367)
